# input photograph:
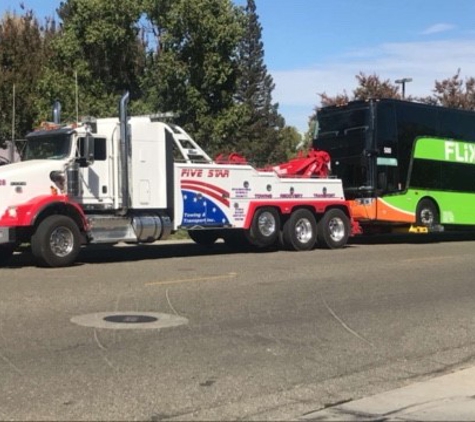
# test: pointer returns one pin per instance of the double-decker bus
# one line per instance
(402, 163)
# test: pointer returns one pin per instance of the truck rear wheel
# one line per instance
(6, 251)
(56, 242)
(265, 227)
(333, 230)
(300, 231)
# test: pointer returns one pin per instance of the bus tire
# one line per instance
(427, 213)
(203, 237)
(265, 227)
(56, 242)
(300, 231)
(333, 229)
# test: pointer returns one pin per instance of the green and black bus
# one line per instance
(402, 163)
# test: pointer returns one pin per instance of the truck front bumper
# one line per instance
(6, 235)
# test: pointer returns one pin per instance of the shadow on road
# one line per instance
(411, 238)
(100, 254)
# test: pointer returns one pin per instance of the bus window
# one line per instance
(466, 126)
(343, 133)
(387, 147)
(456, 124)
(413, 120)
(426, 174)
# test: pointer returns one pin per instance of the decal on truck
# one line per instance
(214, 191)
(200, 210)
(202, 204)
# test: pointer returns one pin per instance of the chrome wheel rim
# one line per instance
(266, 224)
(427, 217)
(336, 228)
(61, 241)
(303, 230)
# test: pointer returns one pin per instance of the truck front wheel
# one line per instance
(56, 242)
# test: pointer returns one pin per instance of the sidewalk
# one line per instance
(446, 398)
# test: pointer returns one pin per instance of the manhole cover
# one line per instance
(129, 320)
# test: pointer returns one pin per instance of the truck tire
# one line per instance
(427, 214)
(203, 237)
(6, 251)
(265, 227)
(333, 230)
(56, 242)
(300, 231)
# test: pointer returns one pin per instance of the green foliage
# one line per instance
(368, 87)
(454, 92)
(23, 51)
(260, 137)
(97, 51)
(194, 68)
(201, 59)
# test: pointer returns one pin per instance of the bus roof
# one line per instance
(377, 101)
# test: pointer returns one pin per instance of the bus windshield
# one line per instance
(343, 134)
(53, 147)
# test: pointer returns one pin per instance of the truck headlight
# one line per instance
(12, 212)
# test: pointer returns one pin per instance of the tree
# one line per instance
(451, 92)
(368, 87)
(194, 67)
(97, 49)
(261, 127)
(24, 49)
(454, 92)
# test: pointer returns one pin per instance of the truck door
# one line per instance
(95, 179)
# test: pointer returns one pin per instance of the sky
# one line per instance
(319, 46)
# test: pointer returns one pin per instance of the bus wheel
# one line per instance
(427, 213)
(203, 237)
(300, 231)
(56, 242)
(333, 229)
(265, 227)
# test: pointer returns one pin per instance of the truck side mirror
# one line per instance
(89, 148)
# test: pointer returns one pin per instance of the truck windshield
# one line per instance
(343, 134)
(54, 147)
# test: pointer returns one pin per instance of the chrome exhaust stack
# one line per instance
(125, 152)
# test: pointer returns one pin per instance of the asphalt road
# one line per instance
(269, 335)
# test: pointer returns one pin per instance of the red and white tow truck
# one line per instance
(139, 179)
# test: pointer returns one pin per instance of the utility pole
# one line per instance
(403, 82)
(12, 143)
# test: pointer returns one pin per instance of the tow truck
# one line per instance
(139, 179)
